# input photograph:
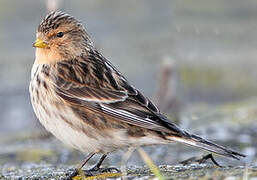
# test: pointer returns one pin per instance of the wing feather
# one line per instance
(94, 95)
(116, 114)
(121, 102)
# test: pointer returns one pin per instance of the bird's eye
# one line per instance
(60, 34)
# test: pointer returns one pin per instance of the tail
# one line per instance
(194, 140)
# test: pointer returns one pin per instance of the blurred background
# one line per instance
(200, 55)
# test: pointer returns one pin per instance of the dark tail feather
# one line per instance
(197, 141)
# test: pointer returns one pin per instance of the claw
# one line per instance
(208, 156)
(201, 160)
(73, 174)
(96, 170)
(188, 161)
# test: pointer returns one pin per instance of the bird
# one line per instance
(85, 101)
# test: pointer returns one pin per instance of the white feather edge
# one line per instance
(177, 139)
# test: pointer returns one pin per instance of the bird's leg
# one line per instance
(76, 171)
(201, 160)
(101, 170)
(205, 158)
(93, 171)
(99, 163)
(188, 161)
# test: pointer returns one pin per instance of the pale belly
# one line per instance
(103, 142)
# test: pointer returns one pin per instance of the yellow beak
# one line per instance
(39, 43)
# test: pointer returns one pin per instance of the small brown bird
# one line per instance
(82, 99)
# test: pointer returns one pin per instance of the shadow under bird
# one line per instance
(82, 99)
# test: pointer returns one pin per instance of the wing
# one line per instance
(89, 94)
(96, 85)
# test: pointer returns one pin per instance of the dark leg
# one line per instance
(188, 161)
(86, 160)
(205, 158)
(201, 160)
(75, 172)
(97, 168)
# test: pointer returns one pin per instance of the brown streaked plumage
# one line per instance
(80, 97)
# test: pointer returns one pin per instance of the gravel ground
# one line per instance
(40, 156)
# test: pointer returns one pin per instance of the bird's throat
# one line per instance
(47, 56)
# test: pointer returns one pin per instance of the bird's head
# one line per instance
(60, 37)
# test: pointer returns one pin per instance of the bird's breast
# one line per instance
(62, 121)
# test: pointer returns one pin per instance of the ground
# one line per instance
(41, 156)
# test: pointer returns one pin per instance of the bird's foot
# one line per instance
(200, 160)
(103, 170)
(94, 172)
(74, 173)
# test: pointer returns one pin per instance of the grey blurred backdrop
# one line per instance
(212, 43)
